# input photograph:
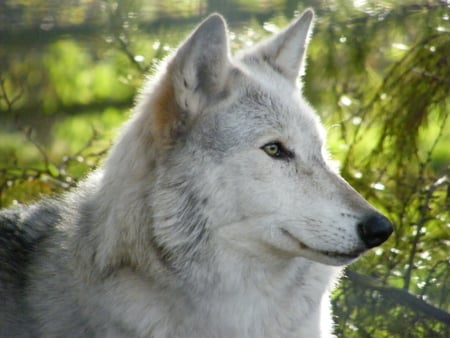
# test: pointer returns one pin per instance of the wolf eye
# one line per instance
(277, 150)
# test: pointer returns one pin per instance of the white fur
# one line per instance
(190, 229)
(261, 283)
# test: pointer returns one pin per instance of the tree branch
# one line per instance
(401, 296)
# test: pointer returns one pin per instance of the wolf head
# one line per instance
(224, 154)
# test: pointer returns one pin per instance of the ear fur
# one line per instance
(201, 65)
(285, 51)
(195, 75)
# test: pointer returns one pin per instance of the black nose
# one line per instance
(374, 230)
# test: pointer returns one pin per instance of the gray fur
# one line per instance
(190, 228)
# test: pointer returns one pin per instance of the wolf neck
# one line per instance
(245, 301)
(251, 298)
(264, 295)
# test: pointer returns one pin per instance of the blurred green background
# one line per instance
(378, 74)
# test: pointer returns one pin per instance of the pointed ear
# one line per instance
(194, 77)
(201, 65)
(285, 51)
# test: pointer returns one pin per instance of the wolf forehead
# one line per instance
(255, 112)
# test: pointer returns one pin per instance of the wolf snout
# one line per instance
(374, 230)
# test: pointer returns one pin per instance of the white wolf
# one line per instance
(216, 213)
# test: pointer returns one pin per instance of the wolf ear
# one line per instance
(201, 65)
(285, 51)
(194, 77)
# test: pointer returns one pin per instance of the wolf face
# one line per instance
(241, 154)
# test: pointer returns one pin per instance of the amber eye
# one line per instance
(277, 150)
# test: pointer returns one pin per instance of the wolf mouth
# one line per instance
(331, 254)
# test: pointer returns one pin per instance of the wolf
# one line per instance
(217, 212)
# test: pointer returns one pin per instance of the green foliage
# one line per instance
(378, 73)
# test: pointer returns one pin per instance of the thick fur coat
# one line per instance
(216, 213)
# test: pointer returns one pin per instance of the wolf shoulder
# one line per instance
(21, 229)
(25, 232)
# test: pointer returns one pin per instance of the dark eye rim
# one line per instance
(282, 154)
